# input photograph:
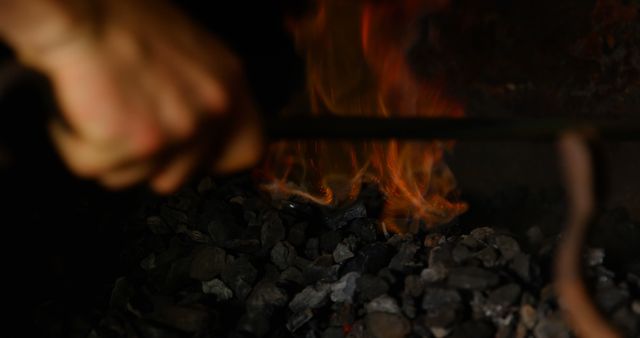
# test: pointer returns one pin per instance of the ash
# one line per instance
(223, 260)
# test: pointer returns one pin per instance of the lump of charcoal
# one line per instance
(409, 306)
(219, 222)
(205, 185)
(333, 332)
(341, 217)
(433, 239)
(321, 268)
(479, 306)
(157, 225)
(266, 295)
(254, 322)
(283, 254)
(371, 287)
(436, 298)
(471, 243)
(507, 246)
(208, 262)
(174, 218)
(243, 245)
(521, 265)
(413, 285)
(197, 236)
(298, 319)
(143, 328)
(297, 233)
(551, 327)
(342, 253)
(343, 290)
(635, 306)
(535, 236)
(488, 256)
(433, 275)
(472, 278)
(217, 288)
(633, 279)
(183, 318)
(312, 248)
(365, 229)
(272, 231)
(443, 316)
(594, 256)
(370, 258)
(183, 200)
(483, 234)
(383, 303)
(440, 256)
(386, 325)
(149, 262)
(292, 275)
(460, 253)
(342, 314)
(605, 277)
(506, 295)
(388, 276)
(178, 275)
(357, 329)
(439, 332)
(398, 239)
(310, 297)
(329, 240)
(240, 276)
(251, 218)
(627, 322)
(610, 298)
(404, 257)
(475, 329)
(120, 294)
(498, 306)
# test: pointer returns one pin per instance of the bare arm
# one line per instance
(33, 27)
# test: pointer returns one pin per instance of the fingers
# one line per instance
(175, 173)
(244, 147)
(128, 176)
(204, 90)
(88, 160)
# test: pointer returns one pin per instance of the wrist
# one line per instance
(37, 29)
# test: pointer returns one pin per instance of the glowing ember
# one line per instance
(356, 65)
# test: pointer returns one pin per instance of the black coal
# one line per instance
(225, 260)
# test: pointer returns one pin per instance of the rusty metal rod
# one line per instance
(512, 129)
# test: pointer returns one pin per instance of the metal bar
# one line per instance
(364, 128)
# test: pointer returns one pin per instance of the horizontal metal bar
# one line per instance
(528, 129)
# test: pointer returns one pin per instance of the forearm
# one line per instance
(32, 27)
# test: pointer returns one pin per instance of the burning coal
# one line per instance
(356, 56)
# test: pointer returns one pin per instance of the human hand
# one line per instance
(145, 96)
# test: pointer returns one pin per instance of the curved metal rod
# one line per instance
(579, 311)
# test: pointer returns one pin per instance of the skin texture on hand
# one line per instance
(145, 96)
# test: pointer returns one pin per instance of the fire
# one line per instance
(356, 54)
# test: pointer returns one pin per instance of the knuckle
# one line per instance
(83, 168)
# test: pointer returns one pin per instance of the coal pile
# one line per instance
(224, 260)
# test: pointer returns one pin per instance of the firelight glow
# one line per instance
(356, 56)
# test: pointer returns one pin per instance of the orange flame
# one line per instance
(357, 65)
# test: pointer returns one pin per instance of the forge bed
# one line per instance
(222, 259)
